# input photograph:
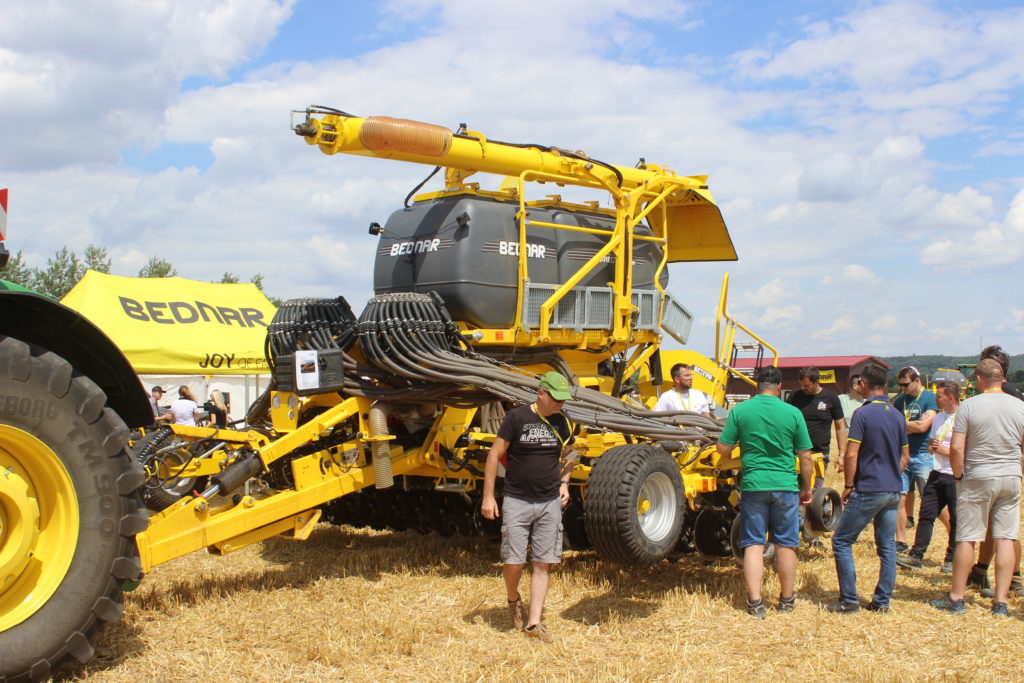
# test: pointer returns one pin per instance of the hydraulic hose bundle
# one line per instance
(411, 335)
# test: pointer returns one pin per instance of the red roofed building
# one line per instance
(835, 372)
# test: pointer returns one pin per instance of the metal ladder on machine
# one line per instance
(728, 350)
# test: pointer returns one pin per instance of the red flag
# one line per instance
(3, 213)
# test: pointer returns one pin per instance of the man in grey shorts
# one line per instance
(533, 438)
(985, 455)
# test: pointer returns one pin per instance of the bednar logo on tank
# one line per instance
(184, 312)
(415, 247)
(703, 373)
(511, 248)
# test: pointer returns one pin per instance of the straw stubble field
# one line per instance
(364, 605)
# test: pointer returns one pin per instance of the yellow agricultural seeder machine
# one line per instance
(384, 419)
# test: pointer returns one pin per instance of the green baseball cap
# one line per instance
(555, 384)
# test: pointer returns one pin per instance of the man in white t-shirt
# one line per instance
(940, 490)
(682, 395)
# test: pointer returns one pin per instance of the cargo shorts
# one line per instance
(534, 525)
(981, 503)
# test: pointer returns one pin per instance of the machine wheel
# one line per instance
(737, 552)
(634, 504)
(824, 509)
(162, 490)
(712, 534)
(69, 511)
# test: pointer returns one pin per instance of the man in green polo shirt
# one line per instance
(771, 435)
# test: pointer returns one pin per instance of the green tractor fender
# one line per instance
(42, 322)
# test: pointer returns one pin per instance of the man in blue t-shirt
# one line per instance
(919, 408)
(876, 454)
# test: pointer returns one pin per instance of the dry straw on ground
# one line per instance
(360, 605)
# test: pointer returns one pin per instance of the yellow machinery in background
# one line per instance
(385, 419)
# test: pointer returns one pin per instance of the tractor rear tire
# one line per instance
(69, 510)
(634, 504)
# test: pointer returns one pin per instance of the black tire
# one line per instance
(824, 510)
(41, 396)
(613, 521)
(712, 533)
(159, 494)
(737, 552)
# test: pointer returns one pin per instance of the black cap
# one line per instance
(156, 389)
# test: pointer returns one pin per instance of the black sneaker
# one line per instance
(978, 578)
(910, 522)
(909, 561)
(875, 607)
(840, 607)
(787, 604)
(756, 609)
(999, 609)
(902, 548)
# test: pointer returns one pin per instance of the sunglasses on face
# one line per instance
(904, 384)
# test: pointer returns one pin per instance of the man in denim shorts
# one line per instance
(877, 452)
(536, 488)
(919, 409)
(771, 436)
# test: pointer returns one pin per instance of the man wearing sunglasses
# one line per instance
(919, 409)
(535, 442)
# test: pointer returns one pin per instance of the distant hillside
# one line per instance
(927, 365)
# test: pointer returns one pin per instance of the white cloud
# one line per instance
(852, 275)
(91, 79)
(885, 322)
(841, 326)
(992, 245)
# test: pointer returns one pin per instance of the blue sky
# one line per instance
(867, 156)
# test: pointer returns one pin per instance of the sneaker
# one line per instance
(517, 611)
(815, 544)
(999, 609)
(948, 604)
(910, 522)
(840, 607)
(787, 604)
(909, 562)
(947, 567)
(978, 578)
(875, 607)
(1017, 587)
(987, 592)
(540, 633)
(756, 609)
(902, 548)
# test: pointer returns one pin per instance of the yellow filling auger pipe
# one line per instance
(692, 222)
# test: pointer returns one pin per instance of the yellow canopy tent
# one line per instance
(174, 326)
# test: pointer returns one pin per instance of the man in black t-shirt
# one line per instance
(533, 438)
(822, 410)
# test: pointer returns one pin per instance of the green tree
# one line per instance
(97, 258)
(62, 272)
(229, 279)
(17, 271)
(157, 267)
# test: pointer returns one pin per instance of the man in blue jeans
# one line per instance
(876, 455)
(771, 435)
